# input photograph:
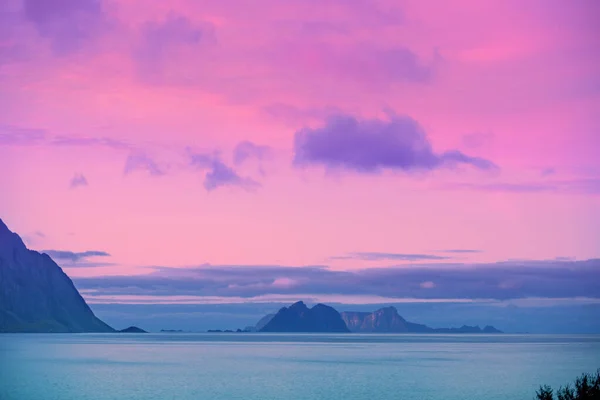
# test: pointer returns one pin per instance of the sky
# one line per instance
(350, 151)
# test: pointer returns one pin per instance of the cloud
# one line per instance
(222, 175)
(372, 145)
(461, 251)
(469, 282)
(218, 173)
(139, 161)
(365, 63)
(375, 256)
(89, 141)
(162, 41)
(67, 23)
(15, 136)
(78, 180)
(246, 150)
(548, 171)
(74, 256)
(588, 186)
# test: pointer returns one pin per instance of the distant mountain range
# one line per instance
(36, 295)
(321, 318)
(387, 320)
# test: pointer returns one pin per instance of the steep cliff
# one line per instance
(387, 320)
(299, 318)
(36, 295)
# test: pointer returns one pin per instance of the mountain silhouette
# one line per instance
(299, 318)
(36, 295)
(387, 320)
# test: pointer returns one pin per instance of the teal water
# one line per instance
(288, 367)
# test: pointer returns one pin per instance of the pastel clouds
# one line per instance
(67, 23)
(453, 129)
(218, 174)
(78, 180)
(141, 161)
(442, 282)
(373, 145)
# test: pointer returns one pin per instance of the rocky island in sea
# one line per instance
(387, 320)
(132, 329)
(321, 319)
(299, 318)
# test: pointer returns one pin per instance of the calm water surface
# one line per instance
(288, 367)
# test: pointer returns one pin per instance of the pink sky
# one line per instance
(119, 121)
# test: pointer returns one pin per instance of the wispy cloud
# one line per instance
(74, 256)
(163, 40)
(89, 141)
(589, 186)
(246, 150)
(498, 281)
(16, 136)
(69, 25)
(11, 135)
(461, 251)
(376, 256)
(548, 171)
(218, 174)
(140, 161)
(77, 181)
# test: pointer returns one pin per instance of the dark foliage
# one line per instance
(586, 387)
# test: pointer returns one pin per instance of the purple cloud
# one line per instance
(89, 141)
(15, 136)
(246, 150)
(141, 161)
(161, 39)
(363, 63)
(548, 171)
(77, 181)
(219, 174)
(590, 186)
(371, 145)
(376, 256)
(67, 23)
(498, 281)
(74, 256)
(222, 175)
(461, 251)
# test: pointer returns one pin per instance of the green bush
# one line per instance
(586, 387)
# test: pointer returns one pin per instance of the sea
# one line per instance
(229, 366)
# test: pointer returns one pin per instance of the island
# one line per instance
(325, 319)
(388, 320)
(132, 329)
(299, 318)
